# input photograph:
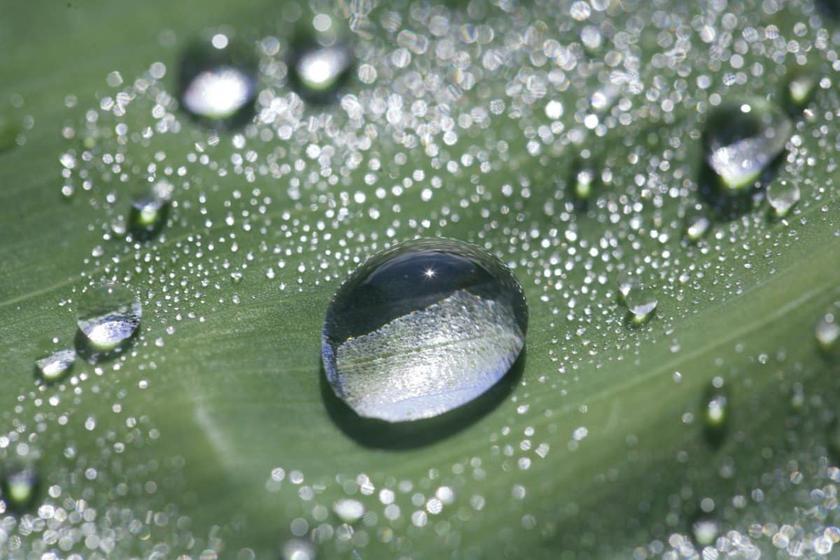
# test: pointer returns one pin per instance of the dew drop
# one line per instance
(218, 83)
(716, 412)
(705, 531)
(298, 549)
(317, 72)
(55, 366)
(827, 332)
(696, 226)
(584, 182)
(149, 211)
(742, 139)
(640, 301)
(19, 487)
(782, 196)
(422, 328)
(800, 86)
(108, 316)
(349, 510)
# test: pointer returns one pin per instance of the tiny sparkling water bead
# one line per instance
(317, 72)
(55, 366)
(423, 328)
(741, 140)
(108, 315)
(715, 412)
(19, 487)
(149, 211)
(782, 196)
(218, 82)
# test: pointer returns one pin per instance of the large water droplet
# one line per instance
(19, 487)
(705, 530)
(641, 301)
(317, 72)
(742, 139)
(55, 366)
(218, 83)
(799, 88)
(697, 224)
(421, 329)
(149, 210)
(108, 316)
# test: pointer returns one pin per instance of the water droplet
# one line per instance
(19, 487)
(317, 72)
(583, 182)
(348, 510)
(782, 196)
(10, 128)
(149, 210)
(705, 531)
(827, 332)
(800, 86)
(716, 412)
(742, 139)
(108, 316)
(218, 83)
(55, 366)
(298, 549)
(640, 301)
(423, 328)
(697, 225)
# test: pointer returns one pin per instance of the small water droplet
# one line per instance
(827, 332)
(800, 86)
(108, 316)
(742, 139)
(583, 182)
(782, 196)
(349, 510)
(149, 211)
(19, 487)
(55, 366)
(716, 412)
(697, 224)
(423, 328)
(218, 82)
(317, 72)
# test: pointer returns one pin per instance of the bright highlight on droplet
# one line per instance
(421, 329)
(108, 316)
(218, 93)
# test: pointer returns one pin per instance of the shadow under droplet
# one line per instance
(727, 206)
(378, 434)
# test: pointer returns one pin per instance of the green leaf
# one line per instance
(216, 430)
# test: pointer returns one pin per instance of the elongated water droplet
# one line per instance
(716, 412)
(584, 182)
(55, 366)
(149, 211)
(742, 139)
(782, 196)
(218, 82)
(317, 72)
(421, 329)
(19, 487)
(827, 332)
(108, 316)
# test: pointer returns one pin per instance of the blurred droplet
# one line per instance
(55, 366)
(108, 316)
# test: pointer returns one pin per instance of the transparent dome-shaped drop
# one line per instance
(423, 328)
(742, 139)
(108, 316)
(317, 72)
(218, 82)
